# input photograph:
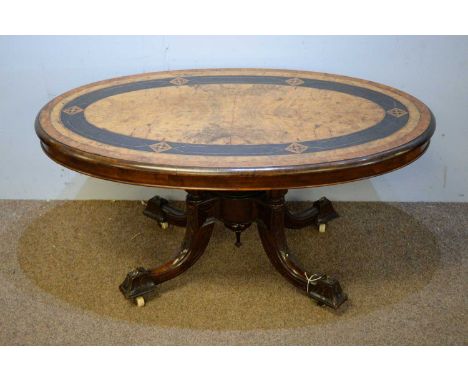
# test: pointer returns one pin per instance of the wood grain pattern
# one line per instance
(196, 129)
(234, 114)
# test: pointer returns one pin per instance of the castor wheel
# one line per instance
(164, 225)
(322, 227)
(140, 301)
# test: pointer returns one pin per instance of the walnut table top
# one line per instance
(234, 129)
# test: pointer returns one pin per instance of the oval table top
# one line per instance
(234, 129)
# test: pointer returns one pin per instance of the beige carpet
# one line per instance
(402, 265)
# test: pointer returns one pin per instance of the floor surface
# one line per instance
(403, 265)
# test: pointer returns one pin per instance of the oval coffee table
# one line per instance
(236, 140)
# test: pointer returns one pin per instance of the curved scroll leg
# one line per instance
(200, 225)
(321, 212)
(159, 209)
(322, 288)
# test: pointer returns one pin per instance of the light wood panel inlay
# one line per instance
(234, 114)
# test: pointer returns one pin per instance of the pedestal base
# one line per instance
(238, 210)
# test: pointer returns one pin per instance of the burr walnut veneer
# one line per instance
(236, 140)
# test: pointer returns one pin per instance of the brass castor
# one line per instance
(140, 301)
(322, 228)
(164, 225)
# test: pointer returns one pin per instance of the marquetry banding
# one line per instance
(235, 119)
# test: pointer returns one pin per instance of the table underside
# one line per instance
(238, 211)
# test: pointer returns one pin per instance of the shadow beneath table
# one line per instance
(80, 251)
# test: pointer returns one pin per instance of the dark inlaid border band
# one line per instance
(396, 117)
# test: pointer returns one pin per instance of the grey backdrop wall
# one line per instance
(33, 70)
